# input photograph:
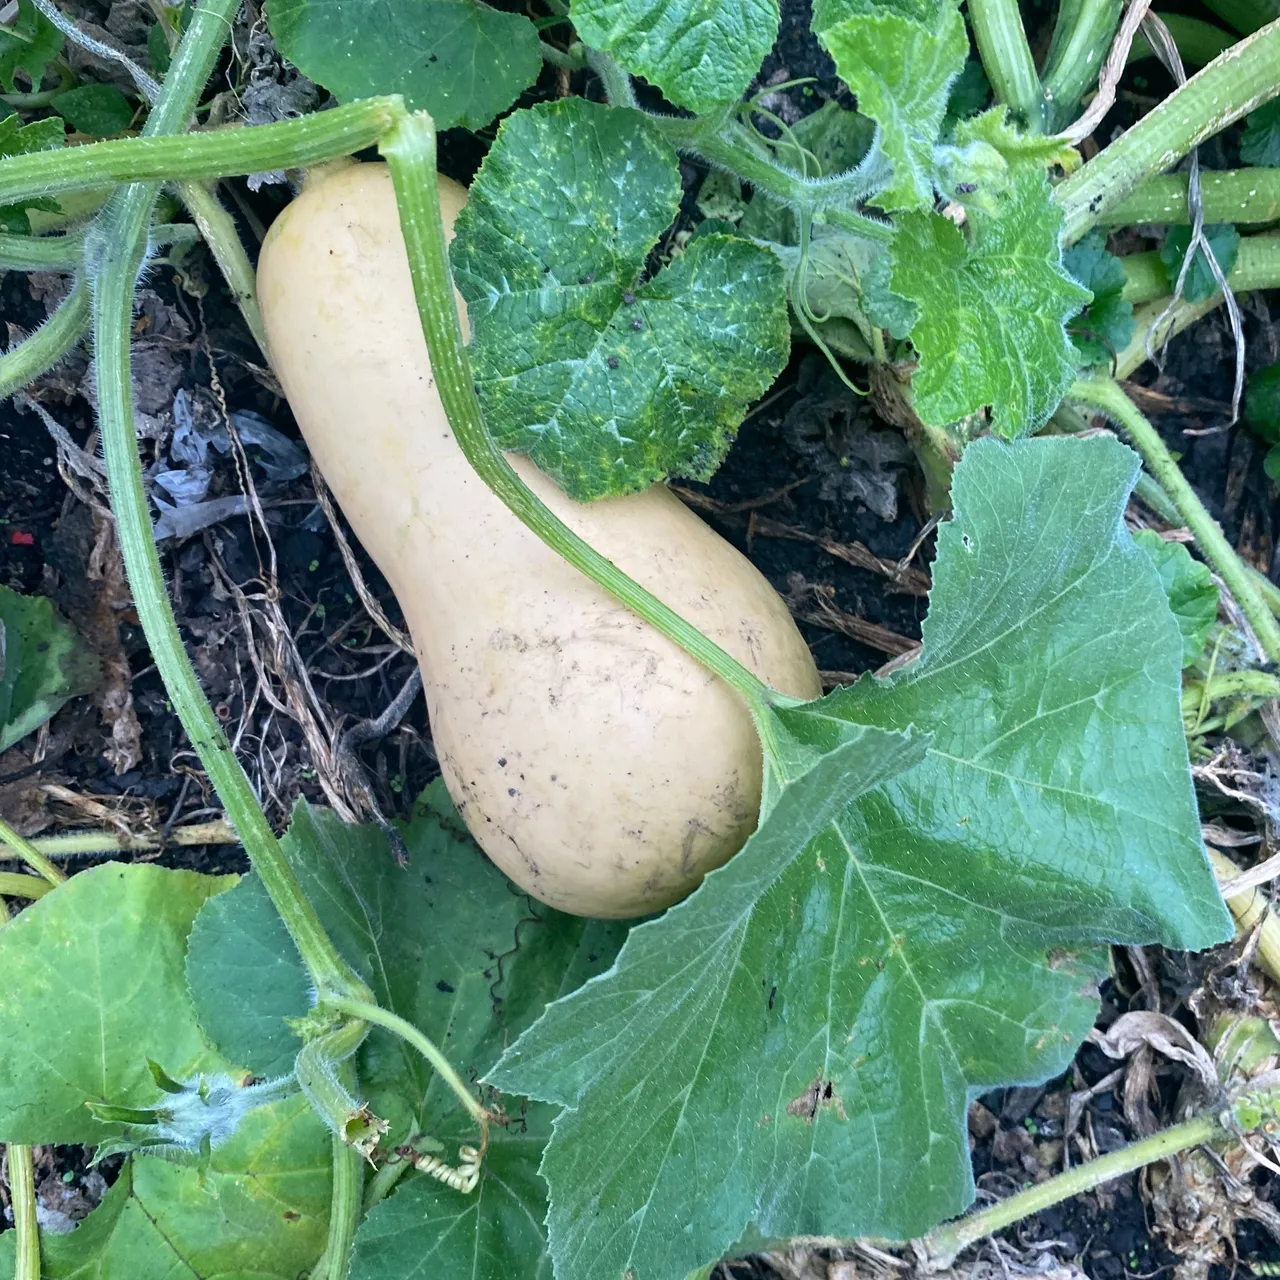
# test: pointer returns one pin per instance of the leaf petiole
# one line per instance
(1105, 395)
(32, 356)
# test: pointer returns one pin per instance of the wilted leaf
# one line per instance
(992, 311)
(805, 1025)
(607, 380)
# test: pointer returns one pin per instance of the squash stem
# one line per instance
(31, 357)
(1103, 394)
(116, 247)
(1006, 58)
(410, 152)
(24, 849)
(217, 153)
(1237, 82)
(22, 1192)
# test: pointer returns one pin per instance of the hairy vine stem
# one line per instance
(1103, 394)
(410, 151)
(1232, 85)
(32, 356)
(1230, 195)
(116, 247)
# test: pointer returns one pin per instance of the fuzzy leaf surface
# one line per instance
(900, 59)
(608, 380)
(94, 987)
(819, 1013)
(447, 943)
(700, 53)
(259, 1212)
(992, 311)
(463, 61)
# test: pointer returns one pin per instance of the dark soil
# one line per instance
(783, 496)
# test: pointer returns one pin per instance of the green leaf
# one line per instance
(461, 60)
(849, 276)
(93, 987)
(804, 1025)
(607, 380)
(1188, 586)
(1262, 403)
(1271, 463)
(900, 60)
(28, 44)
(1260, 144)
(700, 53)
(17, 139)
(98, 110)
(447, 943)
(992, 311)
(1224, 244)
(1106, 325)
(43, 663)
(259, 1210)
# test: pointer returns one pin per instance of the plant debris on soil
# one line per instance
(296, 650)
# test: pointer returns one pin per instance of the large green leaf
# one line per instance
(992, 310)
(259, 1211)
(461, 60)
(43, 662)
(93, 987)
(448, 943)
(900, 59)
(609, 381)
(700, 53)
(794, 1047)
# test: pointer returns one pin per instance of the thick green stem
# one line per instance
(1074, 62)
(218, 228)
(1231, 684)
(1245, 16)
(1232, 85)
(1229, 195)
(346, 1204)
(22, 1195)
(1257, 267)
(1198, 42)
(410, 152)
(1103, 394)
(371, 1013)
(1006, 57)
(15, 884)
(117, 243)
(721, 140)
(44, 348)
(28, 853)
(947, 1241)
(220, 153)
(66, 252)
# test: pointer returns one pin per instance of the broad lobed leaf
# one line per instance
(462, 61)
(793, 1048)
(992, 310)
(607, 380)
(448, 943)
(700, 53)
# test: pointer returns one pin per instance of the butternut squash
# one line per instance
(599, 766)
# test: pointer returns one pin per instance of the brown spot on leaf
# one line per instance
(820, 1094)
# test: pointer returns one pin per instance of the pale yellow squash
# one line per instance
(600, 767)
